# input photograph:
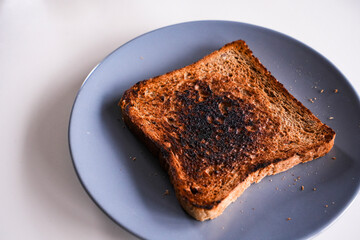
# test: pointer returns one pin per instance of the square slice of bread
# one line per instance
(221, 124)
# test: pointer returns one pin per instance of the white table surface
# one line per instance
(47, 48)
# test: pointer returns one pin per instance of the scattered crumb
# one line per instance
(294, 183)
(295, 179)
(166, 193)
(314, 189)
(270, 180)
(326, 205)
(133, 158)
(311, 100)
(333, 203)
(336, 90)
(277, 188)
(331, 118)
(302, 188)
(334, 158)
(222, 227)
(288, 219)
(141, 57)
(322, 90)
(283, 178)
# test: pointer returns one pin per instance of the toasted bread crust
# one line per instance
(219, 125)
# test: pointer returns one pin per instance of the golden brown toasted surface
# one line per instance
(216, 122)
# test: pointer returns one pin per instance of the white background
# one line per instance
(47, 48)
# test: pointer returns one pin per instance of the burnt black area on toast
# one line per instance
(218, 130)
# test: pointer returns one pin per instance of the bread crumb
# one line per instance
(141, 57)
(326, 205)
(333, 203)
(331, 118)
(298, 178)
(311, 100)
(270, 180)
(166, 193)
(288, 219)
(133, 158)
(314, 189)
(322, 90)
(277, 188)
(302, 188)
(334, 158)
(336, 90)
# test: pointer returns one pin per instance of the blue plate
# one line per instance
(131, 191)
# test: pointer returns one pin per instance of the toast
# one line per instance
(221, 124)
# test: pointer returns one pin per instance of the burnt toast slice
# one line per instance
(221, 124)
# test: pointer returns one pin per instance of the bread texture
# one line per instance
(221, 124)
